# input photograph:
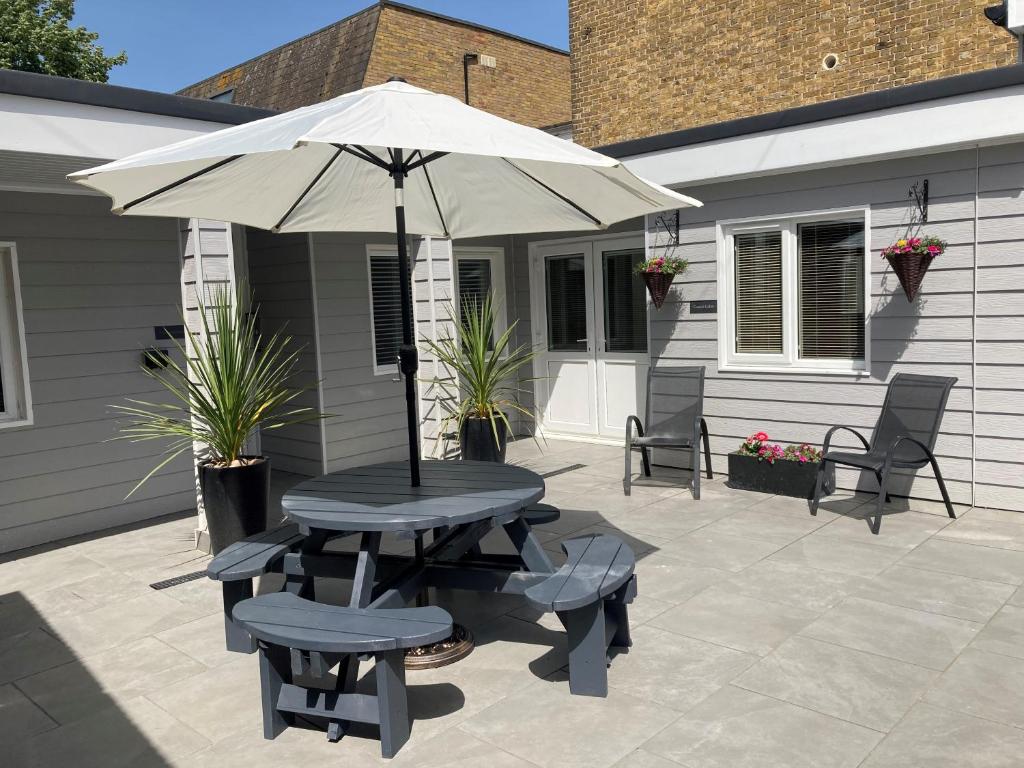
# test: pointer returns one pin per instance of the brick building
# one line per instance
(645, 67)
(510, 76)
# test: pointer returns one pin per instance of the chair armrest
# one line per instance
(630, 422)
(891, 451)
(828, 438)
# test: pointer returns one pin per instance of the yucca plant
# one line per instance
(485, 367)
(232, 381)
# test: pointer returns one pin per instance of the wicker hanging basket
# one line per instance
(658, 284)
(910, 268)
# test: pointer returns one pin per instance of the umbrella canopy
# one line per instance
(304, 171)
(389, 158)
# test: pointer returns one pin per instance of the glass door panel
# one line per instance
(625, 302)
(566, 297)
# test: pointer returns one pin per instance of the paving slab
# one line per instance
(794, 585)
(943, 593)
(743, 623)
(851, 685)
(987, 563)
(20, 717)
(939, 738)
(736, 728)
(986, 685)
(548, 727)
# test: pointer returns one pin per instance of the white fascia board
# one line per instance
(55, 127)
(989, 117)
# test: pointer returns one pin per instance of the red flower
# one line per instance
(761, 436)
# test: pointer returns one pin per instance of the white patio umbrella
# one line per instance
(390, 158)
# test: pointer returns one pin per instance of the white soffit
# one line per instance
(987, 117)
(52, 127)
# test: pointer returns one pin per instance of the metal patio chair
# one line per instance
(903, 438)
(675, 419)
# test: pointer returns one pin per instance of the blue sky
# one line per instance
(173, 43)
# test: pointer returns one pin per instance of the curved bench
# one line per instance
(238, 564)
(539, 514)
(296, 636)
(589, 593)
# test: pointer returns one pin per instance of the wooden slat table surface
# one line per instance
(378, 497)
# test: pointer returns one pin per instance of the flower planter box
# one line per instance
(784, 478)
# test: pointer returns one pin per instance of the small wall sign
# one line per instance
(704, 307)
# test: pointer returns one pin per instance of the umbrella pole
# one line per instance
(408, 357)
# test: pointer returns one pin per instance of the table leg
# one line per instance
(303, 585)
(421, 596)
(528, 546)
(366, 570)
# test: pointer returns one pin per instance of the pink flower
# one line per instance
(761, 436)
(914, 242)
(934, 249)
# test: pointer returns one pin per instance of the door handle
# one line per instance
(583, 339)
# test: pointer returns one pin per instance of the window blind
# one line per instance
(830, 289)
(566, 283)
(386, 300)
(625, 302)
(474, 284)
(758, 266)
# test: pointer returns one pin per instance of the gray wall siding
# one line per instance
(934, 335)
(93, 287)
(281, 283)
(367, 421)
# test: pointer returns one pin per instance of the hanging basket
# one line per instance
(910, 268)
(658, 284)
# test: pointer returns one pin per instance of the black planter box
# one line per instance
(784, 478)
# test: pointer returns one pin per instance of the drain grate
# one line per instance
(563, 470)
(183, 579)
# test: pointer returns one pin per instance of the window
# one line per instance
(625, 302)
(385, 307)
(479, 271)
(227, 96)
(794, 293)
(15, 404)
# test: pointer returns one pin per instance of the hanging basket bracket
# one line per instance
(920, 194)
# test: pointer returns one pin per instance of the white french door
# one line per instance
(590, 325)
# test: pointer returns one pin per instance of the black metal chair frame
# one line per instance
(700, 431)
(883, 472)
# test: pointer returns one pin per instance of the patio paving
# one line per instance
(762, 637)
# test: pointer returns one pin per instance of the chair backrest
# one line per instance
(675, 399)
(913, 406)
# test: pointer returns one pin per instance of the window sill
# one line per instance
(15, 423)
(859, 373)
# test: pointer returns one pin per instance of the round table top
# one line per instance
(378, 497)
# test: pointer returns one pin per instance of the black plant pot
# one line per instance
(236, 501)
(784, 478)
(476, 440)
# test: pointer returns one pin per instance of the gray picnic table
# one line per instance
(458, 502)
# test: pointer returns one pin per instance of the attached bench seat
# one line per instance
(297, 636)
(238, 564)
(589, 594)
(539, 514)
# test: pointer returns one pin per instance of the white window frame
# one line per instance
(787, 362)
(371, 251)
(13, 351)
(496, 257)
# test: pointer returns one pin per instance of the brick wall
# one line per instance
(530, 83)
(645, 67)
(316, 67)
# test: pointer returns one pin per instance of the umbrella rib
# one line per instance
(179, 182)
(308, 189)
(437, 205)
(424, 159)
(363, 154)
(557, 194)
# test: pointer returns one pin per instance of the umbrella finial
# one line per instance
(397, 79)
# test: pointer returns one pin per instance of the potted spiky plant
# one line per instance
(231, 382)
(484, 388)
